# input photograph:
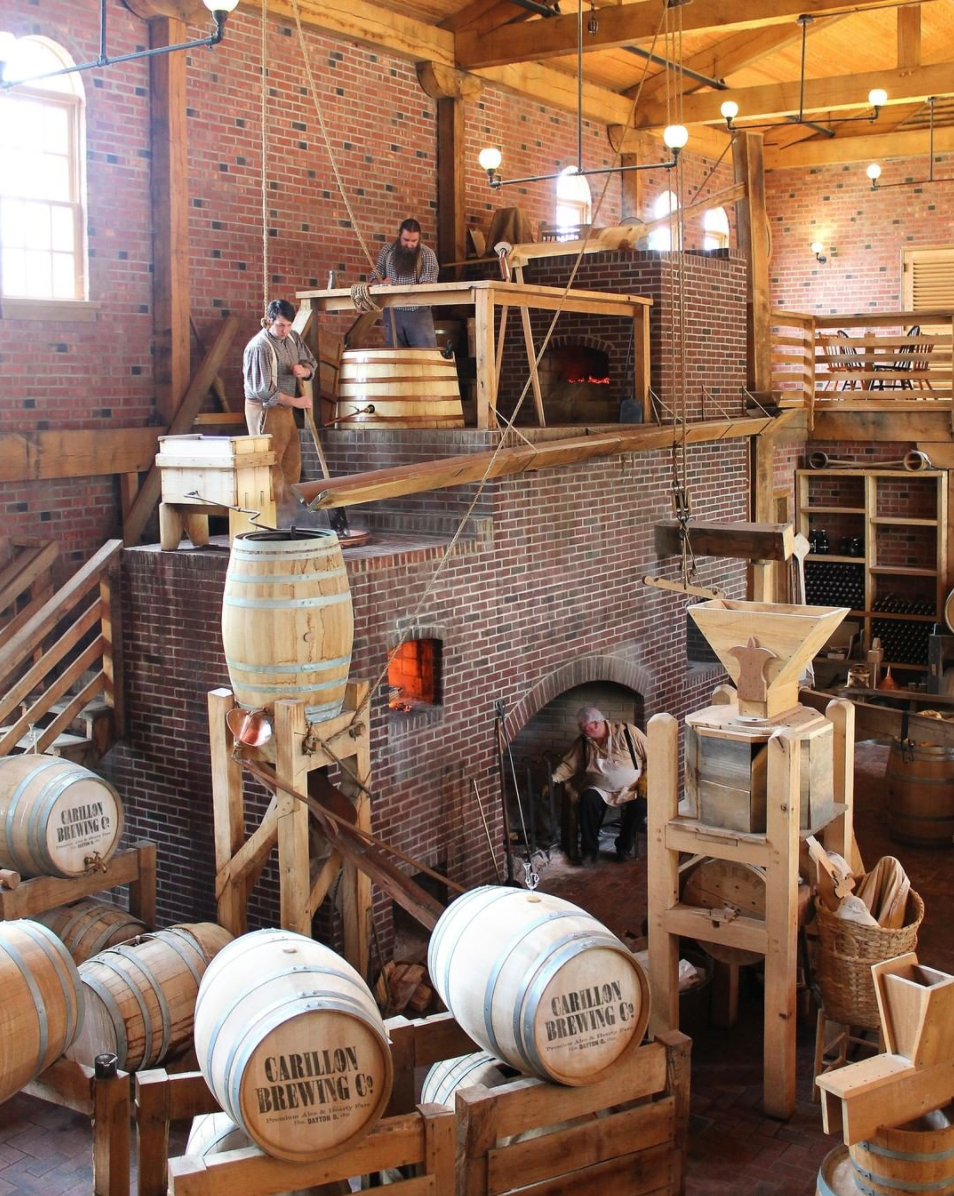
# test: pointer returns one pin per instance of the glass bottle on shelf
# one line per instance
(821, 542)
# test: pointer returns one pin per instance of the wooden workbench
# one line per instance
(487, 295)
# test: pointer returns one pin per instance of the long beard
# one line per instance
(405, 260)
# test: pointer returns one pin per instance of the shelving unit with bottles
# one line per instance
(896, 588)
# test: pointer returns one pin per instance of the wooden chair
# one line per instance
(851, 361)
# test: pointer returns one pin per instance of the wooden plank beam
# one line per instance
(628, 24)
(833, 94)
(748, 541)
(170, 215)
(909, 37)
(473, 467)
(752, 228)
(865, 147)
(76, 453)
(451, 178)
(558, 90)
(149, 492)
(367, 23)
(871, 426)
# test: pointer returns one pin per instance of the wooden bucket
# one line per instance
(836, 1175)
(408, 388)
(917, 1157)
(57, 818)
(920, 794)
(140, 999)
(287, 621)
(42, 1002)
(539, 983)
(91, 926)
(292, 1045)
(216, 1133)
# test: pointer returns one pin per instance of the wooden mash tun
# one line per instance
(763, 647)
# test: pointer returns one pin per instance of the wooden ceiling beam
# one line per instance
(629, 24)
(835, 94)
(556, 89)
(369, 24)
(481, 16)
(831, 150)
(909, 37)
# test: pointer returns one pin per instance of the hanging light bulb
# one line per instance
(729, 110)
(877, 98)
(489, 159)
(818, 249)
(874, 173)
(675, 137)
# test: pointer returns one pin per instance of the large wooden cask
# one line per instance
(287, 621)
(42, 1005)
(292, 1045)
(539, 983)
(90, 926)
(57, 818)
(921, 793)
(140, 999)
(408, 388)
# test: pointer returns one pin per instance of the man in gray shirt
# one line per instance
(406, 262)
(274, 361)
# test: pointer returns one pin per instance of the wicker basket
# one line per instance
(846, 952)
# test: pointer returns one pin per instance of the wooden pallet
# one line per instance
(637, 1146)
(135, 867)
(422, 1140)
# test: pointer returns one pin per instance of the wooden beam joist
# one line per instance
(629, 24)
(745, 541)
(835, 94)
(76, 453)
(557, 89)
(473, 467)
(829, 150)
(370, 24)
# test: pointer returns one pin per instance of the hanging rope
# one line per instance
(264, 118)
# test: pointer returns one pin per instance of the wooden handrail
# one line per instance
(28, 663)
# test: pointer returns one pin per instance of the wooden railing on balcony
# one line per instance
(72, 640)
(863, 362)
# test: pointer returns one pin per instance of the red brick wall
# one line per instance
(863, 232)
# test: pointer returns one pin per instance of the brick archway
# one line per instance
(577, 672)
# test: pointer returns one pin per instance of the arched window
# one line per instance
(661, 237)
(715, 229)
(42, 176)
(574, 204)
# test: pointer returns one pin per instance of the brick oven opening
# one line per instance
(576, 385)
(414, 675)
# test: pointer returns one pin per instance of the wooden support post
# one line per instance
(291, 766)
(641, 363)
(631, 188)
(753, 235)
(662, 805)
(111, 1135)
(451, 176)
(486, 390)
(356, 884)
(781, 923)
(228, 809)
(531, 355)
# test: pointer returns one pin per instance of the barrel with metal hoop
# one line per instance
(90, 926)
(140, 998)
(407, 388)
(539, 983)
(291, 1043)
(920, 780)
(287, 621)
(42, 1002)
(916, 1157)
(57, 818)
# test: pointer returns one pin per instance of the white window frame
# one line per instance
(715, 229)
(574, 204)
(661, 239)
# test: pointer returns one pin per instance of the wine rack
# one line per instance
(898, 520)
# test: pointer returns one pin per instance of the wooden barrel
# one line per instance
(42, 1002)
(917, 1157)
(91, 926)
(140, 999)
(836, 1175)
(408, 388)
(216, 1133)
(292, 1045)
(445, 1078)
(287, 621)
(539, 983)
(57, 818)
(920, 794)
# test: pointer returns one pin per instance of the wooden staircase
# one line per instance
(59, 690)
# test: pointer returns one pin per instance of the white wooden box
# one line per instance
(228, 471)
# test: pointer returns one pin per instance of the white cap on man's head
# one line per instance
(590, 714)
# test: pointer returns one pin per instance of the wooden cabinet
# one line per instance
(886, 531)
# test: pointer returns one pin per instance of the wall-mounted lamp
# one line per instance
(674, 136)
(818, 249)
(219, 9)
(877, 98)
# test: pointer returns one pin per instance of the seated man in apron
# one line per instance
(607, 767)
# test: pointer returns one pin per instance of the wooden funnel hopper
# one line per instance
(916, 1004)
(764, 646)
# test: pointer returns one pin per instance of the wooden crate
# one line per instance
(636, 1146)
(135, 867)
(422, 1140)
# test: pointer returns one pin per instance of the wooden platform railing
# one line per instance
(26, 580)
(874, 360)
(46, 657)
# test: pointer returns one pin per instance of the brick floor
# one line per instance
(734, 1149)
